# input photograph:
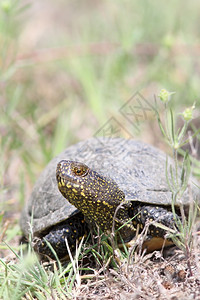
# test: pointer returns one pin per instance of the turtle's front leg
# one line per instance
(72, 229)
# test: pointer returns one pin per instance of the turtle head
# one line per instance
(96, 196)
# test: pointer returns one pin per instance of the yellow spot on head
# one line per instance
(62, 182)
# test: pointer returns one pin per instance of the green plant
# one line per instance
(178, 176)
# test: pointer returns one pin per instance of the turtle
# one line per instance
(105, 182)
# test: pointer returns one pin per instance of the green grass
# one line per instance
(65, 69)
(29, 277)
(178, 177)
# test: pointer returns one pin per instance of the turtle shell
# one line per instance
(138, 168)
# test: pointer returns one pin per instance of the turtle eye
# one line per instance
(79, 169)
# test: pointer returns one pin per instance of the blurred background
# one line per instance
(70, 70)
